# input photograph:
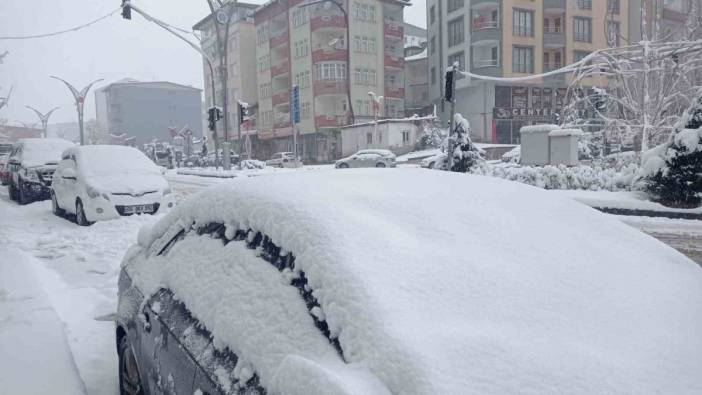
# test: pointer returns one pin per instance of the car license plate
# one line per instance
(142, 208)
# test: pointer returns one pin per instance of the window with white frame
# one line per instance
(523, 22)
(330, 71)
(456, 32)
(405, 137)
(300, 16)
(582, 29)
(522, 59)
(364, 12)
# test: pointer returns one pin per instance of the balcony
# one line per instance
(480, 63)
(321, 55)
(395, 92)
(280, 39)
(330, 87)
(281, 98)
(485, 31)
(554, 37)
(327, 21)
(280, 68)
(394, 29)
(551, 66)
(484, 3)
(330, 121)
(487, 67)
(281, 125)
(554, 5)
(394, 61)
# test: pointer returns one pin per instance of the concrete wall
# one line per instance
(386, 136)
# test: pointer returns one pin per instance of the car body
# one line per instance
(4, 170)
(368, 158)
(280, 159)
(437, 161)
(101, 182)
(31, 166)
(358, 288)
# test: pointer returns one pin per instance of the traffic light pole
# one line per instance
(452, 98)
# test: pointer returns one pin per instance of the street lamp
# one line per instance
(79, 97)
(348, 49)
(43, 118)
(5, 100)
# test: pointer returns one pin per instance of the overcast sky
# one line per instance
(112, 49)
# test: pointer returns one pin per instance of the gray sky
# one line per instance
(112, 49)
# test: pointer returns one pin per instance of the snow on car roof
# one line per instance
(42, 151)
(113, 159)
(443, 283)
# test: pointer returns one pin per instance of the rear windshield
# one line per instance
(114, 159)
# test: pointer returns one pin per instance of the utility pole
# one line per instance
(79, 97)
(449, 95)
(6, 99)
(43, 118)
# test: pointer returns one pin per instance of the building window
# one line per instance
(300, 16)
(433, 75)
(613, 33)
(582, 29)
(364, 12)
(432, 15)
(585, 4)
(522, 59)
(405, 137)
(365, 76)
(453, 5)
(456, 32)
(432, 45)
(457, 57)
(523, 23)
(305, 110)
(329, 71)
(364, 44)
(613, 6)
(579, 55)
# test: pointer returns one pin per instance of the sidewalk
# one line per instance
(36, 356)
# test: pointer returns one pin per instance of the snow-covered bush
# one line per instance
(563, 177)
(252, 164)
(432, 137)
(514, 155)
(465, 153)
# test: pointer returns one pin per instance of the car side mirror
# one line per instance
(13, 161)
(354, 157)
(68, 174)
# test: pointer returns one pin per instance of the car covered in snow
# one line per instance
(348, 284)
(367, 158)
(100, 182)
(281, 159)
(437, 161)
(31, 167)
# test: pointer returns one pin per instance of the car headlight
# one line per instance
(31, 175)
(167, 191)
(94, 193)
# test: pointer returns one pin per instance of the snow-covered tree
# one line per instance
(673, 170)
(465, 153)
(638, 89)
(433, 136)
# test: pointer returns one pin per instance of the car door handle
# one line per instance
(147, 321)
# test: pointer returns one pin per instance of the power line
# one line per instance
(62, 31)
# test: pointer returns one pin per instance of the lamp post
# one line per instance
(348, 49)
(43, 118)
(6, 99)
(79, 97)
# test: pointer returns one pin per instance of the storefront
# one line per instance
(518, 106)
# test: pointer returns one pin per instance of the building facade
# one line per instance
(309, 46)
(667, 19)
(396, 135)
(148, 110)
(416, 72)
(514, 38)
(241, 65)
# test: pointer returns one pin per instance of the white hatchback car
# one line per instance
(100, 182)
(368, 158)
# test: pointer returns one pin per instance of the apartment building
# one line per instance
(309, 46)
(241, 62)
(668, 17)
(514, 38)
(416, 75)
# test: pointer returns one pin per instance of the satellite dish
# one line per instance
(222, 17)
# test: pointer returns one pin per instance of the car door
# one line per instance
(68, 187)
(14, 164)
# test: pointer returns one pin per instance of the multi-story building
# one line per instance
(416, 75)
(514, 38)
(309, 46)
(148, 110)
(669, 17)
(241, 63)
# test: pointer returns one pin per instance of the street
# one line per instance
(77, 267)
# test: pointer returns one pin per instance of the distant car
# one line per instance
(437, 161)
(31, 167)
(4, 171)
(99, 182)
(275, 285)
(280, 158)
(367, 158)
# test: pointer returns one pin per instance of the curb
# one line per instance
(649, 213)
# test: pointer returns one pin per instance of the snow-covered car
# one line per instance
(100, 182)
(357, 288)
(31, 167)
(367, 158)
(513, 156)
(437, 161)
(4, 170)
(279, 159)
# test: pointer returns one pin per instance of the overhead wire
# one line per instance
(73, 29)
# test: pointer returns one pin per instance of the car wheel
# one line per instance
(343, 166)
(55, 208)
(129, 379)
(380, 165)
(80, 215)
(431, 165)
(12, 192)
(22, 197)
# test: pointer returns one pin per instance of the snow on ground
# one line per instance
(431, 301)
(415, 155)
(36, 358)
(623, 200)
(77, 267)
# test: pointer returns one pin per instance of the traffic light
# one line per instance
(448, 91)
(126, 10)
(211, 118)
(218, 113)
(243, 113)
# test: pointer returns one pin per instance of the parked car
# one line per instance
(437, 161)
(99, 182)
(280, 159)
(356, 287)
(4, 170)
(31, 167)
(367, 158)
